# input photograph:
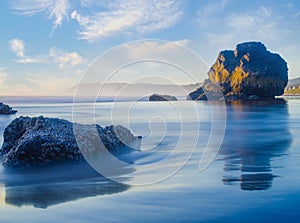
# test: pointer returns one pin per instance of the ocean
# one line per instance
(251, 154)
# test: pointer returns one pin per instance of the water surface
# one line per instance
(254, 177)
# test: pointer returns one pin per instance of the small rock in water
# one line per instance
(253, 98)
(6, 110)
(158, 97)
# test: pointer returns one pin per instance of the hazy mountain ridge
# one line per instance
(130, 89)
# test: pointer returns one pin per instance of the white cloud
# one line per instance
(55, 55)
(57, 10)
(126, 16)
(17, 46)
(182, 42)
(63, 58)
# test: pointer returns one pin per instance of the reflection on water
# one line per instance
(42, 188)
(2, 195)
(254, 135)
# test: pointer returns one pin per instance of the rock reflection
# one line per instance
(42, 188)
(255, 135)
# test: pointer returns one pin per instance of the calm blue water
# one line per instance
(253, 178)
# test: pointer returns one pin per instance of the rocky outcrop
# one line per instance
(6, 110)
(39, 141)
(208, 90)
(249, 70)
(158, 97)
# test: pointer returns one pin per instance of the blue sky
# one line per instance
(46, 45)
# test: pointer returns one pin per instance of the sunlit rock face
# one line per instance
(248, 70)
(39, 141)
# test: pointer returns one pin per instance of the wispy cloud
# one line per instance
(126, 16)
(106, 18)
(260, 23)
(55, 55)
(230, 24)
(208, 12)
(56, 10)
(64, 58)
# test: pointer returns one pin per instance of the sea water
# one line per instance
(254, 176)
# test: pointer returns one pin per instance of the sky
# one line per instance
(46, 46)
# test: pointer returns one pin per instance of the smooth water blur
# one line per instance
(254, 178)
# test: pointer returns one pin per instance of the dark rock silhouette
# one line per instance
(6, 110)
(249, 70)
(158, 97)
(39, 141)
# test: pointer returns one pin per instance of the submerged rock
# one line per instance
(39, 141)
(253, 98)
(6, 110)
(159, 97)
(248, 70)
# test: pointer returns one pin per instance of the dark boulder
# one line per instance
(248, 70)
(39, 141)
(159, 97)
(6, 110)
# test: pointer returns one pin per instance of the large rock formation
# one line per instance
(40, 141)
(6, 110)
(247, 71)
(159, 97)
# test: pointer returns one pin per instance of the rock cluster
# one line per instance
(39, 141)
(6, 110)
(158, 97)
(250, 72)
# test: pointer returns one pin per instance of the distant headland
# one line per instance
(293, 87)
